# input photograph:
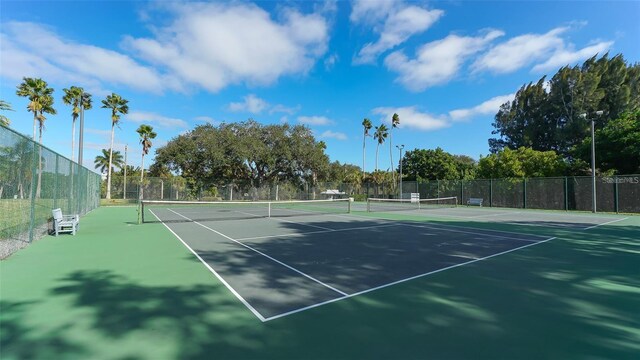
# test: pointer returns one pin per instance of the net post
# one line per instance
(269, 209)
(140, 212)
(368, 205)
(349, 206)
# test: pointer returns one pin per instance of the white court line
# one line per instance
(497, 214)
(316, 232)
(404, 280)
(606, 223)
(263, 254)
(233, 291)
(468, 232)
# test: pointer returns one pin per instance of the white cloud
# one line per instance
(399, 26)
(251, 104)
(563, 57)
(208, 119)
(330, 61)
(438, 61)
(333, 135)
(315, 120)
(256, 105)
(371, 11)
(213, 45)
(520, 51)
(152, 118)
(490, 106)
(283, 109)
(284, 120)
(412, 118)
(32, 50)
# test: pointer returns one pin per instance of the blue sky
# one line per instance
(443, 66)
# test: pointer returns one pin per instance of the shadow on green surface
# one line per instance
(574, 297)
(21, 341)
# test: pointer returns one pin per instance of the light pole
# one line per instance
(400, 147)
(593, 158)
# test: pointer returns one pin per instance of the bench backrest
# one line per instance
(57, 214)
(475, 200)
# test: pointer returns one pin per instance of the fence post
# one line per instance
(437, 188)
(55, 184)
(461, 191)
(615, 193)
(490, 192)
(524, 193)
(34, 179)
(566, 193)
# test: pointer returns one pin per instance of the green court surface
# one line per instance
(444, 284)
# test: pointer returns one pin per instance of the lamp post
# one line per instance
(593, 157)
(400, 147)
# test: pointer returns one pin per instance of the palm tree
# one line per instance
(80, 100)
(366, 123)
(5, 106)
(395, 121)
(102, 161)
(117, 105)
(38, 91)
(380, 135)
(146, 134)
(40, 102)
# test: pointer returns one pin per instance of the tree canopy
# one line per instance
(421, 164)
(548, 115)
(246, 153)
(522, 162)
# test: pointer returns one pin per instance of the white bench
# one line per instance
(474, 201)
(64, 223)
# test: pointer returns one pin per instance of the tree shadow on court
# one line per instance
(21, 341)
(573, 297)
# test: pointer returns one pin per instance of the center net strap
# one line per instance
(186, 211)
(383, 205)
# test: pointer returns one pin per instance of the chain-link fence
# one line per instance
(614, 194)
(33, 181)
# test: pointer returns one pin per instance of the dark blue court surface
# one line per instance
(277, 266)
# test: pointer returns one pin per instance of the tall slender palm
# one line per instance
(380, 135)
(118, 105)
(80, 100)
(395, 121)
(37, 91)
(102, 161)
(146, 134)
(5, 106)
(366, 123)
(40, 97)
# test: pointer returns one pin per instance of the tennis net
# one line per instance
(382, 205)
(188, 211)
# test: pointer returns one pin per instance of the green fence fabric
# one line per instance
(33, 181)
(614, 194)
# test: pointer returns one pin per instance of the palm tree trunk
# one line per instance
(39, 166)
(73, 136)
(35, 118)
(377, 148)
(142, 177)
(364, 146)
(110, 159)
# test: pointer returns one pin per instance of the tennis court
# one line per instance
(287, 257)
(449, 208)
(313, 280)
